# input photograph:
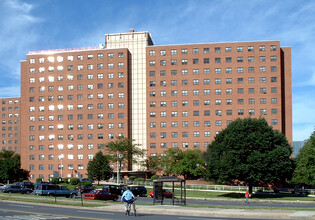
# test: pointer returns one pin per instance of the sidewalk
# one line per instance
(215, 212)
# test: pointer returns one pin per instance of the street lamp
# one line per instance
(118, 167)
(60, 158)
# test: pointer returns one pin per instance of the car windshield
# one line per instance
(94, 192)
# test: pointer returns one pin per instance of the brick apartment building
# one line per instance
(74, 101)
(10, 124)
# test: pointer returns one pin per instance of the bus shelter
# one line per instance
(158, 195)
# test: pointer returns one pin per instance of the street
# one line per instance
(25, 211)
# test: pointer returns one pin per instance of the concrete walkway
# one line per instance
(215, 212)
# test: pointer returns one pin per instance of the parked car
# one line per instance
(54, 190)
(84, 188)
(16, 189)
(1, 185)
(166, 193)
(138, 190)
(28, 185)
(101, 194)
(117, 189)
(87, 180)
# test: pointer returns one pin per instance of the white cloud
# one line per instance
(17, 31)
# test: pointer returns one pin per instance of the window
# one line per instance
(239, 49)
(206, 50)
(217, 60)
(228, 49)
(217, 70)
(274, 101)
(273, 69)
(228, 59)
(251, 101)
(262, 79)
(239, 59)
(273, 47)
(228, 70)
(273, 89)
(217, 81)
(250, 59)
(251, 90)
(262, 69)
(195, 50)
(273, 79)
(206, 60)
(250, 48)
(184, 62)
(262, 58)
(251, 80)
(262, 48)
(273, 58)
(240, 69)
(173, 51)
(240, 101)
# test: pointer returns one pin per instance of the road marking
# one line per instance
(195, 218)
(24, 206)
(46, 214)
(106, 213)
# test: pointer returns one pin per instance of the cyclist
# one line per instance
(128, 198)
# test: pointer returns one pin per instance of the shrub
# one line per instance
(139, 180)
(39, 179)
(74, 181)
(54, 180)
(85, 183)
(154, 177)
(132, 178)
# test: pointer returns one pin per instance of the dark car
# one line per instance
(166, 193)
(138, 190)
(117, 189)
(15, 189)
(54, 190)
(101, 194)
(84, 189)
(28, 185)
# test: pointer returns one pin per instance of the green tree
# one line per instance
(10, 167)
(304, 173)
(189, 163)
(99, 167)
(153, 164)
(127, 152)
(249, 150)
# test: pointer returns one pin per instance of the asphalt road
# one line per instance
(20, 211)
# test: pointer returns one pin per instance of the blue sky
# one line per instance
(28, 25)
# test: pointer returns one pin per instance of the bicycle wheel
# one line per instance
(134, 209)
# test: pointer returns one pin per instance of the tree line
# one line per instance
(248, 151)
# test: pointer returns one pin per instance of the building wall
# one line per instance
(195, 91)
(74, 102)
(10, 124)
(136, 42)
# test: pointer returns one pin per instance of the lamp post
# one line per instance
(118, 167)
(60, 158)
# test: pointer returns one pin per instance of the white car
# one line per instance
(1, 186)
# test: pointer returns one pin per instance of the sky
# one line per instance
(30, 25)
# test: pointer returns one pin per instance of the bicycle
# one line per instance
(133, 206)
